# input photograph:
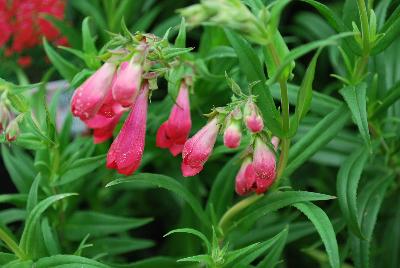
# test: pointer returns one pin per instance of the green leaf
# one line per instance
(20, 178)
(50, 238)
(33, 194)
(272, 258)
(347, 183)
(19, 102)
(117, 245)
(275, 244)
(324, 227)
(323, 132)
(29, 235)
(180, 40)
(169, 184)
(70, 261)
(89, 46)
(220, 52)
(206, 259)
(81, 168)
(65, 68)
(88, 9)
(392, 95)
(158, 261)
(171, 52)
(390, 31)
(369, 204)
(250, 64)
(355, 97)
(17, 199)
(273, 202)
(305, 94)
(99, 224)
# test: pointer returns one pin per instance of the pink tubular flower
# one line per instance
(103, 127)
(232, 135)
(89, 97)
(264, 165)
(254, 121)
(242, 183)
(125, 153)
(174, 132)
(198, 149)
(126, 86)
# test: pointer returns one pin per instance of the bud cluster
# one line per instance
(9, 120)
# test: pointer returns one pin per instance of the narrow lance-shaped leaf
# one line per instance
(355, 97)
(347, 184)
(272, 258)
(193, 232)
(65, 68)
(325, 229)
(180, 40)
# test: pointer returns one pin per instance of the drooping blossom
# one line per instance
(90, 96)
(174, 132)
(241, 185)
(126, 151)
(198, 149)
(264, 164)
(103, 127)
(127, 84)
(253, 119)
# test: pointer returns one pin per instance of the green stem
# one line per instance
(230, 214)
(12, 245)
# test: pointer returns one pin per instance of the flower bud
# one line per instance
(12, 130)
(264, 163)
(4, 116)
(127, 84)
(244, 178)
(232, 135)
(198, 148)
(253, 119)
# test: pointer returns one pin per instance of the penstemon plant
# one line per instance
(247, 127)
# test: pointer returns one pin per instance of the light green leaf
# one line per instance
(355, 97)
(29, 235)
(272, 258)
(193, 232)
(116, 245)
(65, 68)
(325, 229)
(70, 261)
(347, 184)
(180, 40)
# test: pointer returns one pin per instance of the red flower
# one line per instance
(25, 61)
(243, 177)
(103, 127)
(126, 151)
(89, 97)
(232, 135)
(198, 149)
(174, 132)
(127, 83)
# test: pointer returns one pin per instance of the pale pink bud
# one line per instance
(174, 132)
(232, 135)
(125, 153)
(4, 116)
(12, 130)
(253, 119)
(198, 149)
(89, 97)
(264, 163)
(127, 84)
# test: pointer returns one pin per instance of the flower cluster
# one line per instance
(258, 170)
(123, 84)
(23, 25)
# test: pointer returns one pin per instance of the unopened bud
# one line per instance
(12, 130)
(253, 119)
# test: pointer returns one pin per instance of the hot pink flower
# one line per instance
(89, 97)
(126, 151)
(103, 127)
(198, 149)
(126, 86)
(264, 164)
(174, 132)
(254, 121)
(232, 135)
